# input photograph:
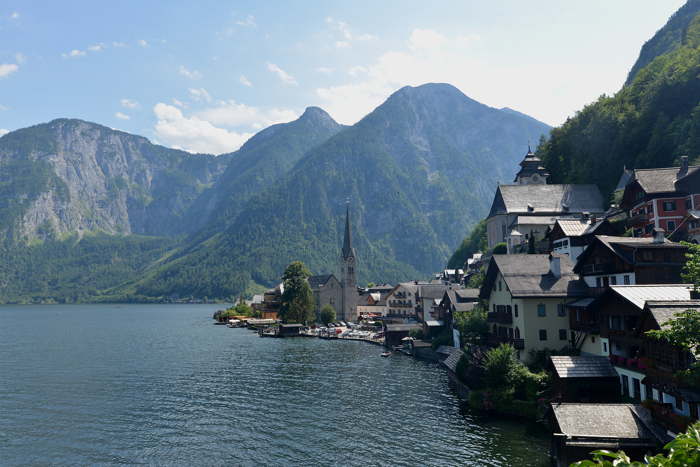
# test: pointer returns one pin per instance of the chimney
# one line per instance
(555, 265)
(659, 235)
(683, 171)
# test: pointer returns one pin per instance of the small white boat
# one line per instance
(386, 354)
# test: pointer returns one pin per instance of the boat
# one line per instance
(386, 354)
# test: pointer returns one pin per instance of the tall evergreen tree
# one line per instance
(297, 298)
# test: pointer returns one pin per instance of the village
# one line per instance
(568, 288)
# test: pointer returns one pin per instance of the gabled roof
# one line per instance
(530, 276)
(600, 421)
(620, 247)
(583, 367)
(638, 295)
(666, 310)
(546, 199)
(433, 291)
(453, 359)
(316, 282)
(579, 227)
(467, 294)
(661, 180)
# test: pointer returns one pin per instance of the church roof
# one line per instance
(316, 282)
(348, 250)
(546, 199)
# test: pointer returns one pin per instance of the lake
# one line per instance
(160, 384)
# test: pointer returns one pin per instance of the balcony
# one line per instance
(667, 417)
(591, 327)
(494, 341)
(637, 220)
(599, 268)
(499, 317)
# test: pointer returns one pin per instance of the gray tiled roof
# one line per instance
(553, 199)
(453, 359)
(529, 275)
(317, 281)
(471, 294)
(664, 311)
(617, 421)
(638, 295)
(578, 227)
(583, 367)
(468, 306)
(659, 180)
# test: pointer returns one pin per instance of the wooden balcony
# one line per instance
(495, 341)
(499, 317)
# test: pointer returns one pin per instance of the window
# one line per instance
(626, 279)
(561, 311)
(605, 347)
(670, 226)
(499, 286)
(687, 204)
(494, 307)
(517, 332)
(516, 310)
(597, 282)
(669, 205)
(509, 310)
(543, 334)
(613, 280)
(541, 310)
(562, 334)
(510, 332)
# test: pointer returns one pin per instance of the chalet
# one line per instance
(582, 428)
(619, 314)
(570, 236)
(661, 198)
(530, 206)
(584, 379)
(526, 296)
(327, 291)
(629, 260)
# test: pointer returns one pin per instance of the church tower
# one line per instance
(348, 278)
(531, 170)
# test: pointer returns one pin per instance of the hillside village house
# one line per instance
(527, 296)
(630, 260)
(570, 236)
(530, 206)
(661, 198)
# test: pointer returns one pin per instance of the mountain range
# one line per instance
(418, 172)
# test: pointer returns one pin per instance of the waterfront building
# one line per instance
(527, 296)
(401, 301)
(327, 290)
(530, 206)
(271, 303)
(584, 378)
(661, 198)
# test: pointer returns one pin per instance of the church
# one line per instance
(341, 294)
(531, 205)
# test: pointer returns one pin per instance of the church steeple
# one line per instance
(531, 170)
(348, 250)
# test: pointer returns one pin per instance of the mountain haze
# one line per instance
(419, 171)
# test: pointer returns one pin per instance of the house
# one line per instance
(630, 260)
(579, 429)
(584, 379)
(530, 206)
(453, 276)
(527, 296)
(271, 303)
(401, 301)
(570, 236)
(661, 198)
(619, 314)
(327, 290)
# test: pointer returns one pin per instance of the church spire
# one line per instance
(347, 241)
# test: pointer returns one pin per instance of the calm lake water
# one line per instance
(159, 384)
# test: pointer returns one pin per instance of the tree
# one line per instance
(691, 270)
(684, 450)
(327, 315)
(370, 285)
(297, 299)
(472, 325)
(500, 248)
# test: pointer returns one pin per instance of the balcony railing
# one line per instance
(590, 327)
(499, 317)
(598, 268)
(638, 219)
(494, 341)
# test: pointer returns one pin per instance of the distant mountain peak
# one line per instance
(317, 114)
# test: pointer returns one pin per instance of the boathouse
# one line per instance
(289, 330)
(584, 379)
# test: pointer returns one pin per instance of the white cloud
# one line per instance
(96, 47)
(14, 15)
(129, 103)
(73, 54)
(324, 70)
(3, 132)
(281, 74)
(179, 103)
(346, 36)
(200, 94)
(122, 116)
(20, 58)
(357, 70)
(248, 22)
(194, 134)
(245, 81)
(233, 114)
(142, 43)
(187, 73)
(6, 69)
(118, 44)
(3, 107)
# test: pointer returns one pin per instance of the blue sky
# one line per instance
(205, 75)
